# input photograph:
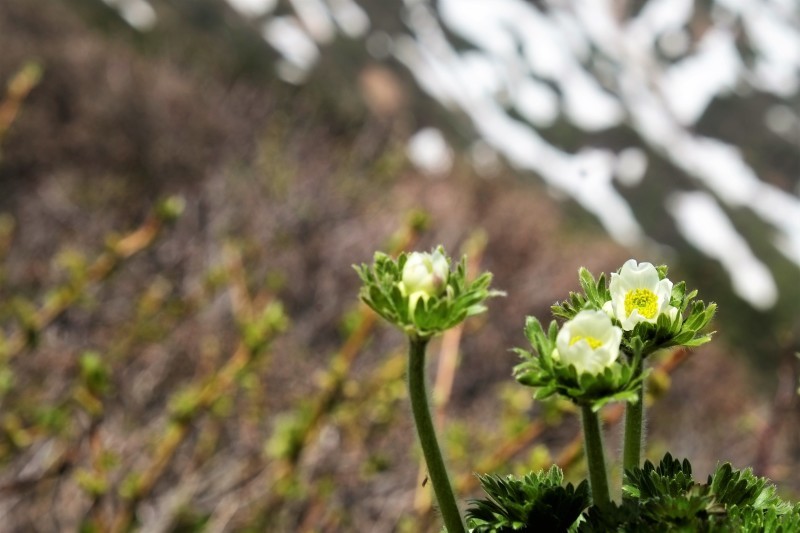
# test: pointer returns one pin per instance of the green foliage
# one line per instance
(671, 477)
(618, 382)
(257, 332)
(184, 404)
(382, 292)
(170, 208)
(288, 434)
(764, 521)
(536, 502)
(666, 498)
(595, 294)
(740, 487)
(94, 372)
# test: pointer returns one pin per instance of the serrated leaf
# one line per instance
(588, 284)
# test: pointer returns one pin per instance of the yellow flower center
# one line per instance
(593, 342)
(644, 300)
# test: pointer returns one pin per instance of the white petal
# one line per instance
(594, 324)
(564, 337)
(440, 266)
(672, 312)
(664, 288)
(611, 344)
(641, 275)
(632, 319)
(614, 286)
(580, 354)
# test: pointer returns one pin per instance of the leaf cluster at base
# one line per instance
(658, 498)
(536, 502)
(618, 382)
(460, 299)
(665, 498)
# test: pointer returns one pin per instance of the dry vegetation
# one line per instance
(213, 371)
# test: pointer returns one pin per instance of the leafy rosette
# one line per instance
(535, 502)
(665, 497)
(420, 294)
(653, 312)
(579, 361)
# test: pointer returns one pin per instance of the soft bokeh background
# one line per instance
(186, 183)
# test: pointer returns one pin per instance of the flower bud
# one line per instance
(589, 341)
(424, 275)
(637, 295)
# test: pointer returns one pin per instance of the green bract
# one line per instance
(426, 298)
(618, 381)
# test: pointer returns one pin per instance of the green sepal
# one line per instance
(679, 331)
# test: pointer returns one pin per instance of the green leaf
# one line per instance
(535, 502)
(602, 289)
(678, 294)
(588, 284)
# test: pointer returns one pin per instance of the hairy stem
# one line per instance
(634, 419)
(598, 478)
(427, 437)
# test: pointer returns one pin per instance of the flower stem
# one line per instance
(598, 478)
(427, 436)
(634, 419)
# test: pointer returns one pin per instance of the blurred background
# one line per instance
(185, 184)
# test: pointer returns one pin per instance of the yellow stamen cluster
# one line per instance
(644, 300)
(593, 342)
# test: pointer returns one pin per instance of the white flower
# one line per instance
(589, 341)
(637, 295)
(424, 275)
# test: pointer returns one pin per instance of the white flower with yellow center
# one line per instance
(589, 341)
(637, 295)
(424, 275)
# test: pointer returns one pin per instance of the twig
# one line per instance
(67, 295)
(217, 386)
(19, 88)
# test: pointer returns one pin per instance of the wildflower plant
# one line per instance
(420, 294)
(654, 314)
(594, 353)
